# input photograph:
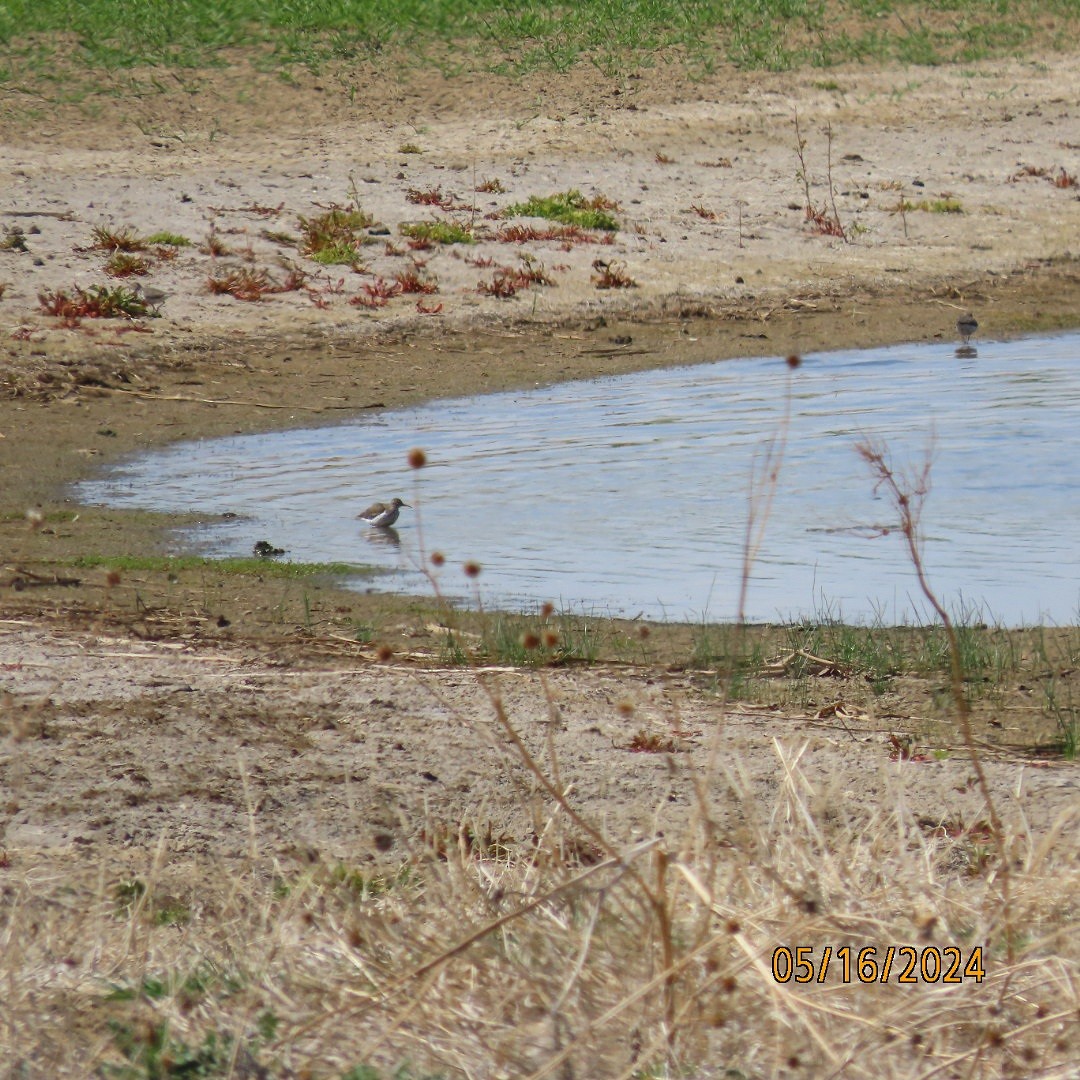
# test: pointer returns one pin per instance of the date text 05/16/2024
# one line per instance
(873, 965)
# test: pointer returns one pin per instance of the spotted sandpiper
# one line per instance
(382, 515)
(966, 326)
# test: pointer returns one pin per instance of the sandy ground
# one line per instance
(147, 710)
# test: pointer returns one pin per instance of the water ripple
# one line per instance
(630, 494)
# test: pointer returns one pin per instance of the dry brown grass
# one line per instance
(605, 958)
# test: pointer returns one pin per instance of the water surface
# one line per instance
(631, 495)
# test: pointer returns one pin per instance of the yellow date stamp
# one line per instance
(871, 964)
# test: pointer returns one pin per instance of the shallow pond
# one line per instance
(631, 495)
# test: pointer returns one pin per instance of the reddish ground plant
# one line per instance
(96, 302)
(428, 197)
(376, 293)
(242, 284)
(249, 284)
(122, 239)
(502, 286)
(214, 245)
(1058, 177)
(295, 279)
(262, 211)
(646, 742)
(126, 264)
(612, 275)
(704, 212)
(507, 281)
(490, 187)
(566, 234)
(411, 281)
(824, 223)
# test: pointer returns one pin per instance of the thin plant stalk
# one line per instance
(908, 498)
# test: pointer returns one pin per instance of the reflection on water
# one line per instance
(631, 494)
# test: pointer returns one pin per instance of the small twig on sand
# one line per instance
(232, 401)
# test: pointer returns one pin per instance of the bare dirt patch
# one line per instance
(228, 782)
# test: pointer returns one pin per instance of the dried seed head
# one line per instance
(384, 653)
(793, 361)
(732, 926)
(112, 579)
(547, 610)
(643, 632)
(530, 641)
(626, 708)
(437, 558)
(551, 639)
(472, 569)
(417, 458)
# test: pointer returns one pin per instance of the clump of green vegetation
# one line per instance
(439, 232)
(334, 238)
(130, 253)
(935, 206)
(153, 1052)
(570, 208)
(169, 239)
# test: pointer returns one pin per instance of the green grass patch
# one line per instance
(336, 236)
(169, 239)
(170, 564)
(935, 206)
(52, 39)
(569, 208)
(337, 254)
(438, 232)
(151, 1052)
